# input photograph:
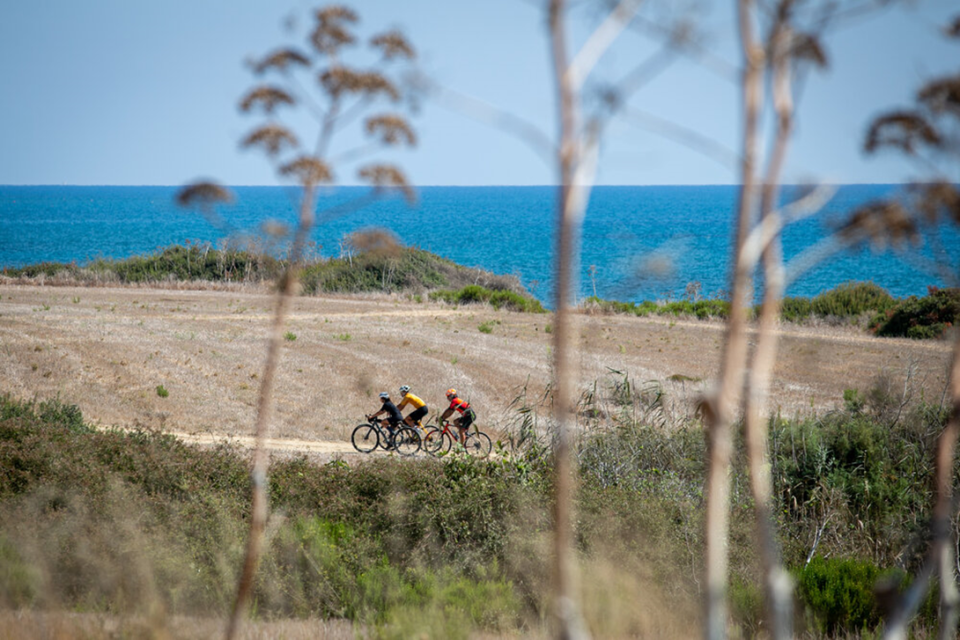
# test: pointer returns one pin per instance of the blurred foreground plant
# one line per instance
(320, 81)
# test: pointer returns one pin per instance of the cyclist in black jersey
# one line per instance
(393, 415)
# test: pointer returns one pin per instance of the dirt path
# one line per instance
(190, 361)
(290, 445)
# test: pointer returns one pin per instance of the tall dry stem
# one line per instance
(776, 582)
(347, 93)
(259, 507)
(721, 407)
(570, 624)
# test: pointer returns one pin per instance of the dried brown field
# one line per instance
(29, 625)
(107, 350)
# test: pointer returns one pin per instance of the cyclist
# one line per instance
(467, 415)
(419, 408)
(394, 417)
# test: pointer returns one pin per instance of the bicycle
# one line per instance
(368, 436)
(439, 441)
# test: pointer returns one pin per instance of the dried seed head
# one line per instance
(942, 96)
(281, 60)
(268, 99)
(881, 221)
(807, 47)
(273, 138)
(903, 130)
(392, 129)
(936, 200)
(203, 195)
(376, 241)
(309, 171)
(952, 30)
(275, 229)
(385, 176)
(331, 31)
(339, 81)
(393, 45)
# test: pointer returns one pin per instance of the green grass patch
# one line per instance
(502, 299)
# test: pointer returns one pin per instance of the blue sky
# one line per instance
(136, 93)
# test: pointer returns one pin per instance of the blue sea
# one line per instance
(637, 242)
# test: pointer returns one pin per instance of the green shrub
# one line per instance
(473, 294)
(839, 594)
(796, 309)
(177, 262)
(162, 391)
(700, 308)
(920, 318)
(852, 299)
(289, 336)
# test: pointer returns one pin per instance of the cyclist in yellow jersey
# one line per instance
(419, 407)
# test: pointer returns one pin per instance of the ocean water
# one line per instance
(637, 242)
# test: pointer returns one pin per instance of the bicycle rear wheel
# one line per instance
(365, 438)
(478, 444)
(436, 442)
(406, 441)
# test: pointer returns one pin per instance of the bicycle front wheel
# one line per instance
(365, 438)
(436, 442)
(478, 444)
(406, 441)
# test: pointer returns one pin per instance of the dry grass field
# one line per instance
(108, 349)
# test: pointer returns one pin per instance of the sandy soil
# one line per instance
(108, 349)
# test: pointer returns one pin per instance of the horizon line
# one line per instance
(469, 186)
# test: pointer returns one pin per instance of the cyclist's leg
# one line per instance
(415, 417)
(391, 426)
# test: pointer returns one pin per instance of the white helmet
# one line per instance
(384, 395)
(404, 389)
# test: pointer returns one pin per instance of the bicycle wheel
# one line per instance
(406, 441)
(436, 442)
(478, 444)
(365, 438)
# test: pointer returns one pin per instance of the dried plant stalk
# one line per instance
(261, 458)
(567, 612)
(720, 409)
(577, 156)
(776, 582)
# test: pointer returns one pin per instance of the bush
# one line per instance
(851, 300)
(184, 263)
(838, 593)
(920, 318)
(796, 309)
(473, 294)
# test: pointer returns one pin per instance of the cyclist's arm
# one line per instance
(446, 414)
(402, 404)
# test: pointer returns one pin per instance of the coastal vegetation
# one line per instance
(862, 304)
(395, 269)
(132, 522)
(413, 271)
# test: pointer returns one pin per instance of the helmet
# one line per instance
(384, 395)
(451, 393)
(404, 389)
